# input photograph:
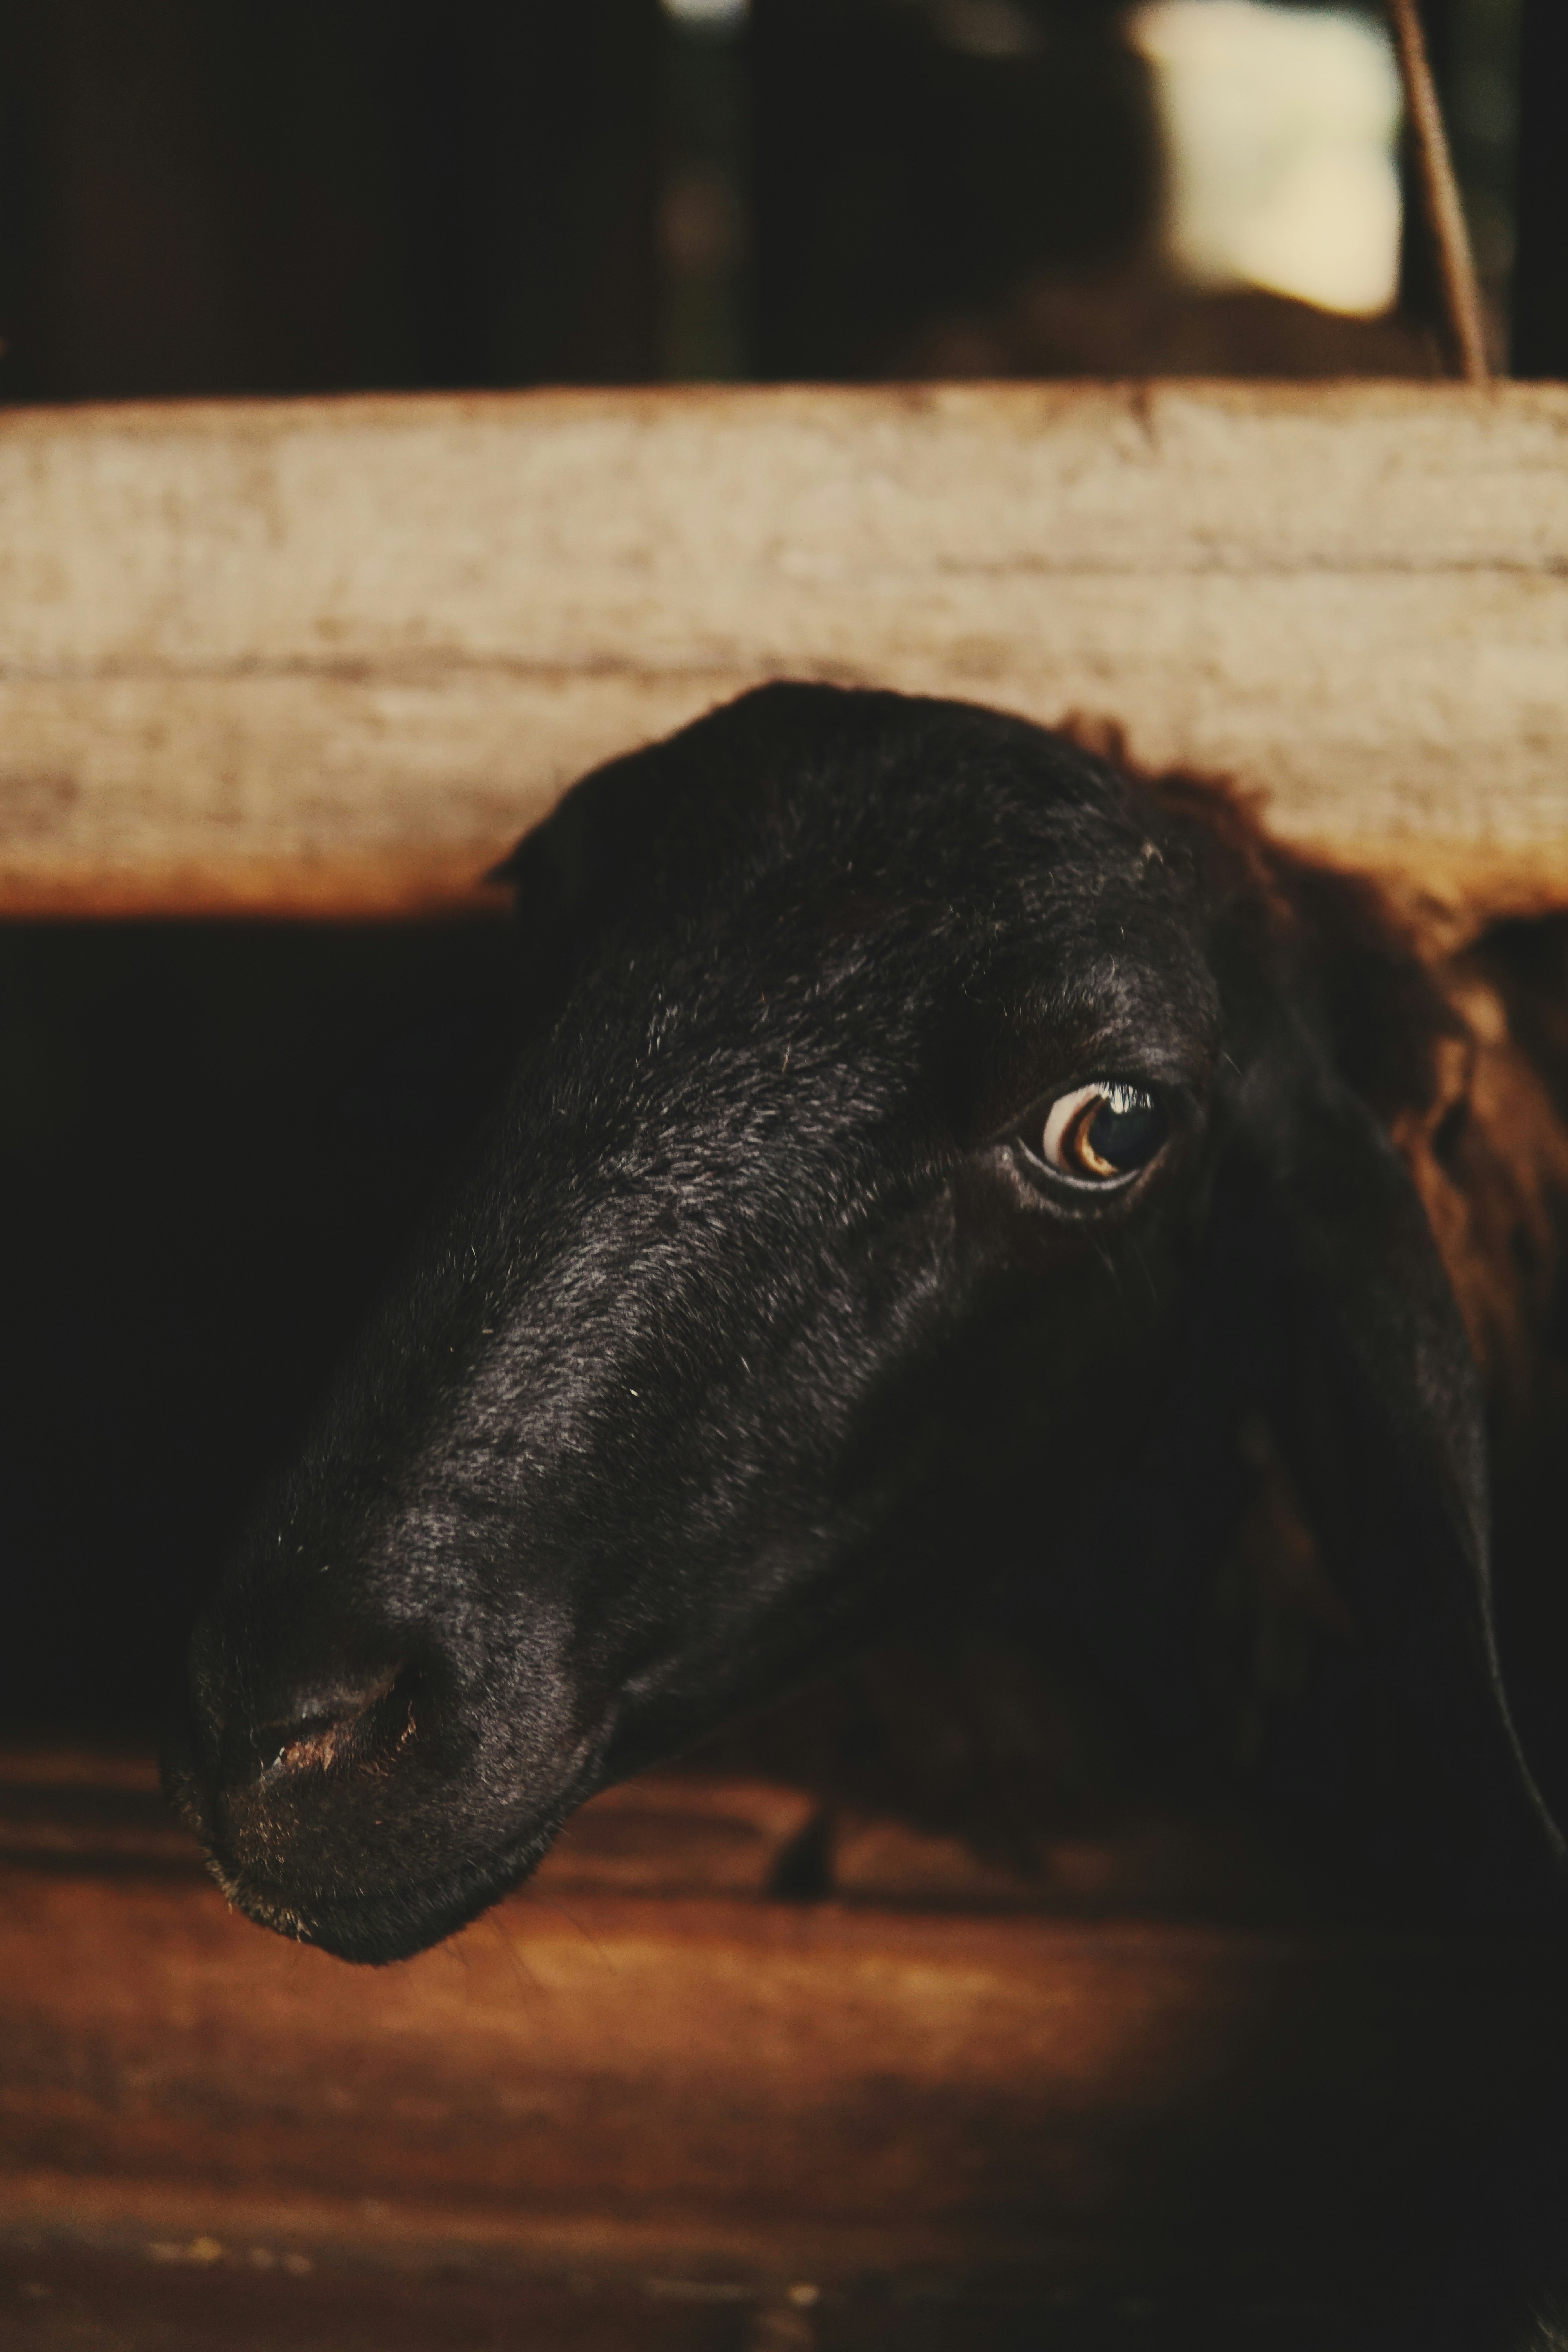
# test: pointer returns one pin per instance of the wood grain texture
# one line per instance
(645, 2076)
(847, 2089)
(333, 656)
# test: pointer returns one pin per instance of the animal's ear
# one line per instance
(1368, 1378)
(580, 869)
(642, 830)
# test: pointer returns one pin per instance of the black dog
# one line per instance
(926, 1142)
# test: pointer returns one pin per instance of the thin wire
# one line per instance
(1440, 194)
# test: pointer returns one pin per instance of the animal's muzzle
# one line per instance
(375, 1803)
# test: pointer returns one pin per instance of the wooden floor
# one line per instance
(648, 2103)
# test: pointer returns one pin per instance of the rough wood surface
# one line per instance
(625, 2081)
(333, 656)
(864, 2090)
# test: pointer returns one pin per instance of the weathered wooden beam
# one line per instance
(854, 2089)
(643, 2061)
(331, 657)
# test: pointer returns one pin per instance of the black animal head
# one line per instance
(921, 1126)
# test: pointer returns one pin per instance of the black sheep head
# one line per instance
(921, 1126)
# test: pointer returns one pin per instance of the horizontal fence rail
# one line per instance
(647, 2063)
(332, 657)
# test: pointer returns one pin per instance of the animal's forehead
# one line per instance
(816, 797)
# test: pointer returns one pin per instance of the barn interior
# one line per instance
(949, 2003)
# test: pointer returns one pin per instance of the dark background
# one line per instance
(232, 197)
(213, 1141)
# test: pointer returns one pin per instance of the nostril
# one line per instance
(323, 1725)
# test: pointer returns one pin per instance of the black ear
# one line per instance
(640, 831)
(582, 870)
(1367, 1378)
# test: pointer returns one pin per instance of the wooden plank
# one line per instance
(760, 2084)
(705, 2061)
(643, 2077)
(333, 656)
(194, 2292)
(256, 2289)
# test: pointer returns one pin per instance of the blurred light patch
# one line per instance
(1282, 126)
(986, 28)
(714, 15)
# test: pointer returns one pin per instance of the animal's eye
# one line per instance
(1103, 1133)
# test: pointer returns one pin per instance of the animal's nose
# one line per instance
(324, 1724)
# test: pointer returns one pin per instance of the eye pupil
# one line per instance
(1103, 1131)
(1126, 1131)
